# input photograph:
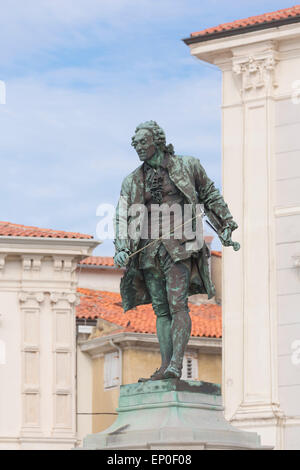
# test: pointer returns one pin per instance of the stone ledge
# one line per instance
(168, 385)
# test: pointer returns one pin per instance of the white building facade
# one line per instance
(38, 283)
(261, 183)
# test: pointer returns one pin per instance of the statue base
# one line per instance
(171, 414)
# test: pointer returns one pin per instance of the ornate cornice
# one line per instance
(31, 262)
(256, 72)
(66, 264)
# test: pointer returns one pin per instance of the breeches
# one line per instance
(168, 283)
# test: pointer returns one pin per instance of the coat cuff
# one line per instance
(231, 224)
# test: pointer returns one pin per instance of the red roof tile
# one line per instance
(216, 253)
(98, 261)
(206, 318)
(266, 18)
(7, 229)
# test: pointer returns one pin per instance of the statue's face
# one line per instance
(144, 145)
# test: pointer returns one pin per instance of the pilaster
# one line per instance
(63, 359)
(254, 74)
(30, 307)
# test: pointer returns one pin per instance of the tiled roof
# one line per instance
(98, 261)
(206, 318)
(216, 253)
(265, 19)
(7, 229)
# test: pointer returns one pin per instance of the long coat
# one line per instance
(191, 180)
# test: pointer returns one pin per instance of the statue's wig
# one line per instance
(158, 135)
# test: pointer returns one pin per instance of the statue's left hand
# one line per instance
(121, 259)
(225, 237)
(226, 240)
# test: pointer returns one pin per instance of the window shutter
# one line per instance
(190, 368)
(111, 370)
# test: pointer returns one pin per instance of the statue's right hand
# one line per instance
(121, 259)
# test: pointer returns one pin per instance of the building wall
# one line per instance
(37, 334)
(287, 181)
(136, 363)
(216, 276)
(84, 397)
(106, 279)
(10, 371)
(105, 402)
(143, 362)
(260, 295)
(139, 363)
(37, 380)
(210, 368)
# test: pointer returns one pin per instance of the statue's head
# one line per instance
(148, 139)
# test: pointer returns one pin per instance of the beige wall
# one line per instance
(210, 368)
(139, 363)
(104, 401)
(216, 276)
(84, 394)
(136, 363)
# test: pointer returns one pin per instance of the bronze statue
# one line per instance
(166, 268)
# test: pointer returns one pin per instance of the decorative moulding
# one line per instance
(32, 263)
(71, 298)
(24, 296)
(2, 262)
(256, 72)
(65, 264)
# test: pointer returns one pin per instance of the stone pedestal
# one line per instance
(171, 414)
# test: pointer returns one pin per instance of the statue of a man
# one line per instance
(165, 270)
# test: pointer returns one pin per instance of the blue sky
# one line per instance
(80, 75)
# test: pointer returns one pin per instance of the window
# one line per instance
(190, 368)
(111, 370)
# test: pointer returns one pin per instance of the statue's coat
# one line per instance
(190, 178)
